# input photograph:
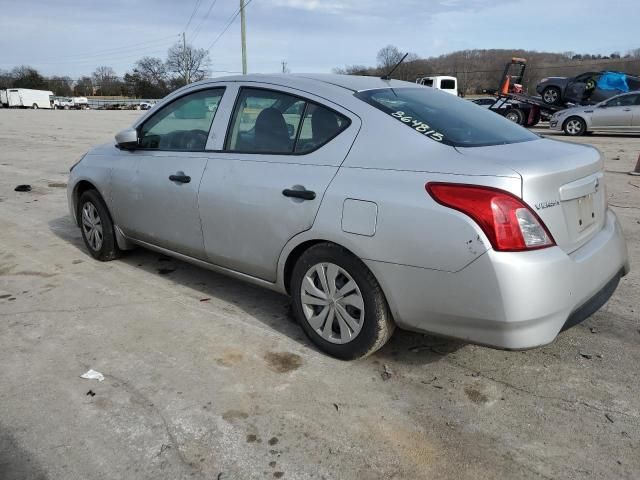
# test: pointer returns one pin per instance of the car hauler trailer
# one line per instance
(28, 98)
(527, 110)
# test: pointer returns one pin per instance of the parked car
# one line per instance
(620, 113)
(586, 89)
(373, 203)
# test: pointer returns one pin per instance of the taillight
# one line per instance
(508, 222)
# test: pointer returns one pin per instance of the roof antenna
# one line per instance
(388, 75)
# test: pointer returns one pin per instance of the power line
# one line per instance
(195, 9)
(196, 31)
(233, 17)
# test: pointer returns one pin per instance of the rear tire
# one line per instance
(515, 115)
(574, 126)
(96, 227)
(34, 106)
(551, 96)
(339, 303)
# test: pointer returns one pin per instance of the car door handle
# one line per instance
(180, 178)
(627, 109)
(303, 194)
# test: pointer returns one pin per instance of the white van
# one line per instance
(444, 83)
(28, 98)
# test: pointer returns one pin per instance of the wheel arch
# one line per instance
(293, 252)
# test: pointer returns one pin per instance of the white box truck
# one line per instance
(442, 82)
(4, 103)
(28, 98)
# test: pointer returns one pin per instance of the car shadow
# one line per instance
(270, 308)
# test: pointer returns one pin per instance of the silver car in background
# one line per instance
(620, 113)
(372, 203)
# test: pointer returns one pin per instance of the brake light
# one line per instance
(508, 222)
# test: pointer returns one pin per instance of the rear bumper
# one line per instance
(512, 300)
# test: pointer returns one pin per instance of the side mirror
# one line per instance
(127, 139)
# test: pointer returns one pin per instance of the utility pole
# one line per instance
(185, 59)
(243, 34)
(284, 67)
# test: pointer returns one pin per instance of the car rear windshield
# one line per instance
(445, 118)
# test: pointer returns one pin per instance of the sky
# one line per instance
(73, 37)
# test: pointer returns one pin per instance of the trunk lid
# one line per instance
(562, 182)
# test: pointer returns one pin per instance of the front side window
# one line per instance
(445, 118)
(266, 121)
(184, 124)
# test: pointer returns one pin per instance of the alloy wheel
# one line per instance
(332, 303)
(573, 127)
(550, 95)
(92, 226)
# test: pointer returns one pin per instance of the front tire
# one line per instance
(575, 126)
(34, 106)
(97, 228)
(339, 303)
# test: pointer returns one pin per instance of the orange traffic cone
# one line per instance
(636, 171)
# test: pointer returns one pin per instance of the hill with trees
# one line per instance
(479, 70)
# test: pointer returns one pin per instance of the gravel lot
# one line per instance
(209, 378)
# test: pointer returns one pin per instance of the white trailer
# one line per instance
(3, 99)
(28, 98)
(442, 82)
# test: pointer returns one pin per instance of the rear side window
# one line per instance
(444, 118)
(448, 84)
(319, 126)
(272, 122)
(624, 101)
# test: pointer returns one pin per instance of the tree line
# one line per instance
(479, 71)
(150, 77)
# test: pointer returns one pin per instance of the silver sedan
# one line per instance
(620, 113)
(372, 203)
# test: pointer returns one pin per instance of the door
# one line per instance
(266, 182)
(616, 113)
(635, 113)
(155, 187)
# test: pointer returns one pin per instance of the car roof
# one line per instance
(354, 83)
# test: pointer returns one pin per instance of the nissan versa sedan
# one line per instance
(620, 113)
(372, 203)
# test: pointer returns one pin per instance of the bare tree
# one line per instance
(27, 77)
(106, 80)
(83, 87)
(151, 69)
(60, 85)
(388, 57)
(189, 63)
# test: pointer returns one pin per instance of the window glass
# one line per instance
(448, 84)
(319, 126)
(184, 124)
(428, 82)
(445, 118)
(623, 101)
(265, 121)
